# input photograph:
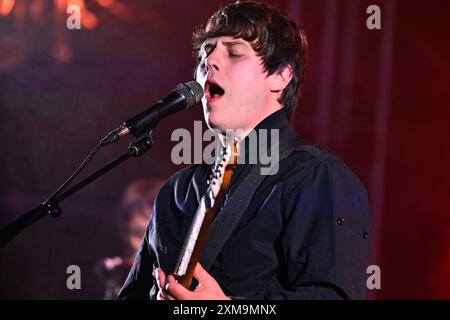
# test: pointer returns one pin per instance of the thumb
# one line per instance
(201, 274)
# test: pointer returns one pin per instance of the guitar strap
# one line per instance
(224, 223)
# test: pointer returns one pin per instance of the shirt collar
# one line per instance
(277, 120)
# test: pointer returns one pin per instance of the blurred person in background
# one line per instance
(135, 210)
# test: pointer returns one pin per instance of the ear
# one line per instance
(280, 79)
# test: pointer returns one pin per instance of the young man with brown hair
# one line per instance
(305, 232)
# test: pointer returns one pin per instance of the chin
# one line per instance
(217, 119)
(211, 119)
(215, 125)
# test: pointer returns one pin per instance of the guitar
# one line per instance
(218, 183)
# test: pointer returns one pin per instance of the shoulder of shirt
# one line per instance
(306, 160)
(315, 151)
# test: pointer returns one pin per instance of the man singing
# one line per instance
(305, 233)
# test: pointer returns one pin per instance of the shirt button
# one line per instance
(365, 234)
(340, 221)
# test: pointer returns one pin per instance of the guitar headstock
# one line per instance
(222, 170)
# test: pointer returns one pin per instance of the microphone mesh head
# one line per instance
(192, 91)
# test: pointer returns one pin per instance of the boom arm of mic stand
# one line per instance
(51, 206)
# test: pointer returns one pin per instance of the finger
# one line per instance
(160, 296)
(160, 278)
(164, 296)
(201, 274)
(176, 290)
(169, 297)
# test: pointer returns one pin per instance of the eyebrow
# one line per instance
(210, 45)
(233, 43)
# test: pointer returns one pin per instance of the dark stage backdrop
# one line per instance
(379, 98)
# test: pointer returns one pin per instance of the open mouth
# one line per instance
(215, 90)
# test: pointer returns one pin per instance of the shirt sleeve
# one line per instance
(140, 279)
(176, 196)
(325, 246)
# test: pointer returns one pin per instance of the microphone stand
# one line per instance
(51, 206)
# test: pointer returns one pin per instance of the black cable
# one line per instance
(77, 172)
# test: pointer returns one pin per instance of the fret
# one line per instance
(219, 182)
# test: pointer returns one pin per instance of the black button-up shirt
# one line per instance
(305, 234)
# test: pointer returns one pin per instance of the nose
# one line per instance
(213, 61)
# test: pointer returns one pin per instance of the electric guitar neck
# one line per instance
(218, 184)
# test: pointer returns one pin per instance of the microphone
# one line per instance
(185, 96)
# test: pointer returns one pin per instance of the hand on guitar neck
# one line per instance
(207, 289)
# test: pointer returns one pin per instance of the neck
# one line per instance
(241, 133)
